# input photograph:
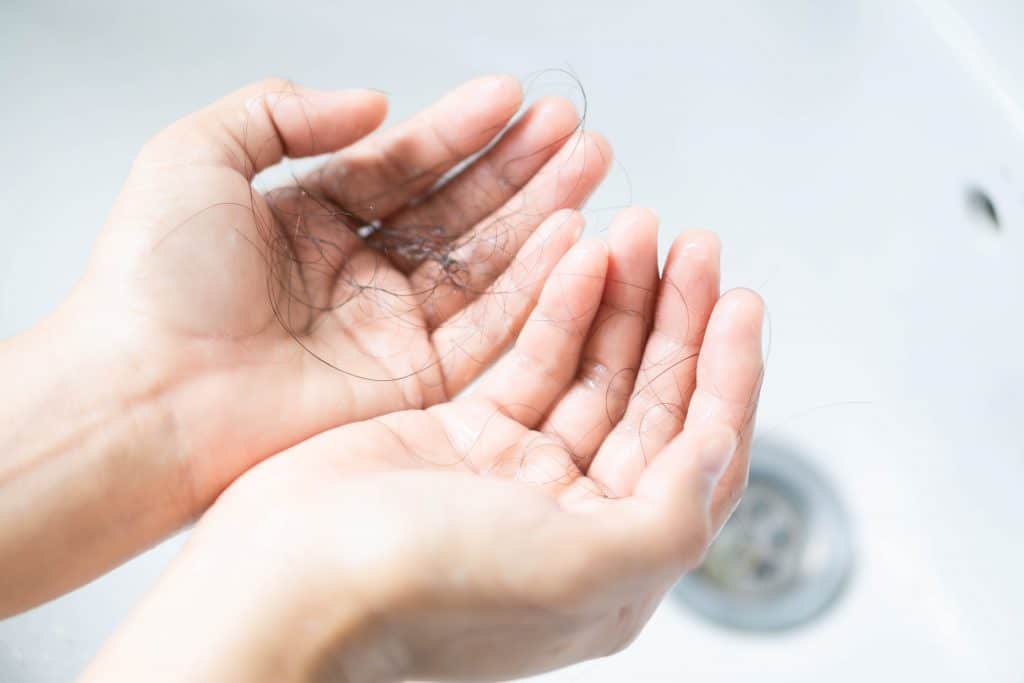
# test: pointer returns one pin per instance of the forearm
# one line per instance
(89, 475)
(243, 607)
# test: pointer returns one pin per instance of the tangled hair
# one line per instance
(313, 235)
(400, 269)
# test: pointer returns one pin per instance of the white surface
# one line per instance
(829, 143)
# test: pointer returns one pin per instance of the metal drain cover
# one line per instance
(782, 558)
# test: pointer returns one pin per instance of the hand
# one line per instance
(530, 525)
(216, 326)
(269, 319)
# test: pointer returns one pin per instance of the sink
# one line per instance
(847, 154)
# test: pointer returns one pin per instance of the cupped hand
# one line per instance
(363, 288)
(529, 525)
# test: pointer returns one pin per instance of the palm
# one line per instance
(282, 291)
(589, 488)
(604, 375)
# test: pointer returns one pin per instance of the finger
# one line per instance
(720, 419)
(488, 182)
(543, 360)
(597, 397)
(255, 127)
(484, 252)
(665, 381)
(382, 173)
(676, 507)
(468, 342)
(684, 496)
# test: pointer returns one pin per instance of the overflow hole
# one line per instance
(980, 204)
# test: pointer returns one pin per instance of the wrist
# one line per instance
(244, 601)
(116, 365)
(89, 475)
(333, 579)
(110, 370)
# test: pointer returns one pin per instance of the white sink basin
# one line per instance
(832, 146)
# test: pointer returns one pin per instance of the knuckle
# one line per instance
(494, 330)
(543, 365)
(662, 420)
(593, 374)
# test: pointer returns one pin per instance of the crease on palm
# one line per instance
(450, 264)
(352, 299)
(540, 417)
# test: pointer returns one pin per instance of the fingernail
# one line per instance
(716, 453)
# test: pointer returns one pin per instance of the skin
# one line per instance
(404, 529)
(167, 373)
(530, 524)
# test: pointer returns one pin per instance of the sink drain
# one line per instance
(782, 558)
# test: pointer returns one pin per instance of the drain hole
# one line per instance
(765, 570)
(980, 204)
(780, 539)
(782, 558)
(760, 508)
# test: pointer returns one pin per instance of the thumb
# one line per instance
(681, 484)
(257, 126)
